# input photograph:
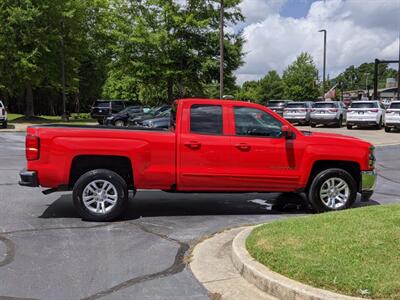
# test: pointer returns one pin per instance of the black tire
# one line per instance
(100, 121)
(4, 125)
(349, 126)
(109, 176)
(317, 182)
(313, 125)
(340, 122)
(387, 129)
(380, 124)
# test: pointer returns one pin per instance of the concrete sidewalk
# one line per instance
(212, 265)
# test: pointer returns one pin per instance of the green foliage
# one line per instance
(358, 78)
(170, 49)
(271, 87)
(299, 79)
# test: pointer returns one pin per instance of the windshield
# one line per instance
(364, 105)
(324, 105)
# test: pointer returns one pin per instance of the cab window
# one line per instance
(254, 122)
(206, 119)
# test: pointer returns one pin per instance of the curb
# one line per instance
(273, 283)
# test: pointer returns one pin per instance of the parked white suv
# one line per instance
(3, 115)
(365, 113)
(392, 118)
(327, 113)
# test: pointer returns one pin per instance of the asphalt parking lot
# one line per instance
(47, 252)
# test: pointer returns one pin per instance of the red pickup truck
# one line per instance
(211, 146)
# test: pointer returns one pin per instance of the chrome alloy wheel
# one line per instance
(100, 196)
(334, 193)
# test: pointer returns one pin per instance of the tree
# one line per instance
(23, 43)
(173, 48)
(356, 78)
(270, 87)
(249, 91)
(299, 79)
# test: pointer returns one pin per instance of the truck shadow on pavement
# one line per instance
(155, 204)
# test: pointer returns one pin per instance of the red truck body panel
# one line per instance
(184, 161)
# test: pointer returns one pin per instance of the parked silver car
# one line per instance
(392, 118)
(328, 113)
(366, 113)
(298, 112)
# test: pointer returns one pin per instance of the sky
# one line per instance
(277, 31)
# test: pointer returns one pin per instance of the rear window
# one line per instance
(364, 105)
(102, 104)
(395, 105)
(296, 105)
(324, 105)
(206, 119)
(276, 103)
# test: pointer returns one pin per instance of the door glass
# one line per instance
(206, 119)
(254, 122)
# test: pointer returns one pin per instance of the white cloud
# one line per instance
(358, 31)
(257, 10)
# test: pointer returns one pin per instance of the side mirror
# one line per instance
(287, 132)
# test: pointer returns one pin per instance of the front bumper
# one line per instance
(368, 182)
(28, 178)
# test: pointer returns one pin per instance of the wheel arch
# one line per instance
(119, 164)
(353, 168)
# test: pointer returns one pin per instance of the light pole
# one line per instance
(366, 84)
(221, 51)
(324, 68)
(398, 73)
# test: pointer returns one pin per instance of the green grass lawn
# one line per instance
(354, 252)
(74, 119)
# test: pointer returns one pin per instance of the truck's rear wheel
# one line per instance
(332, 189)
(100, 195)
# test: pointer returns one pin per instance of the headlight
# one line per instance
(371, 158)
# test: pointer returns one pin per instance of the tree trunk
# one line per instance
(170, 90)
(29, 111)
(64, 116)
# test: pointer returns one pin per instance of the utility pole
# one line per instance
(324, 67)
(398, 73)
(221, 51)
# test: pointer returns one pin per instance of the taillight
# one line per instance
(3, 111)
(389, 111)
(373, 110)
(313, 109)
(32, 147)
(334, 110)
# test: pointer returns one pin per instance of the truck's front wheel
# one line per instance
(100, 195)
(332, 189)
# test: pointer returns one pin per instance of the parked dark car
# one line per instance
(121, 118)
(104, 108)
(162, 121)
(277, 105)
(153, 113)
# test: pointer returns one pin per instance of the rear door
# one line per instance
(263, 160)
(204, 149)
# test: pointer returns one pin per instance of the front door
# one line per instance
(204, 152)
(263, 159)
